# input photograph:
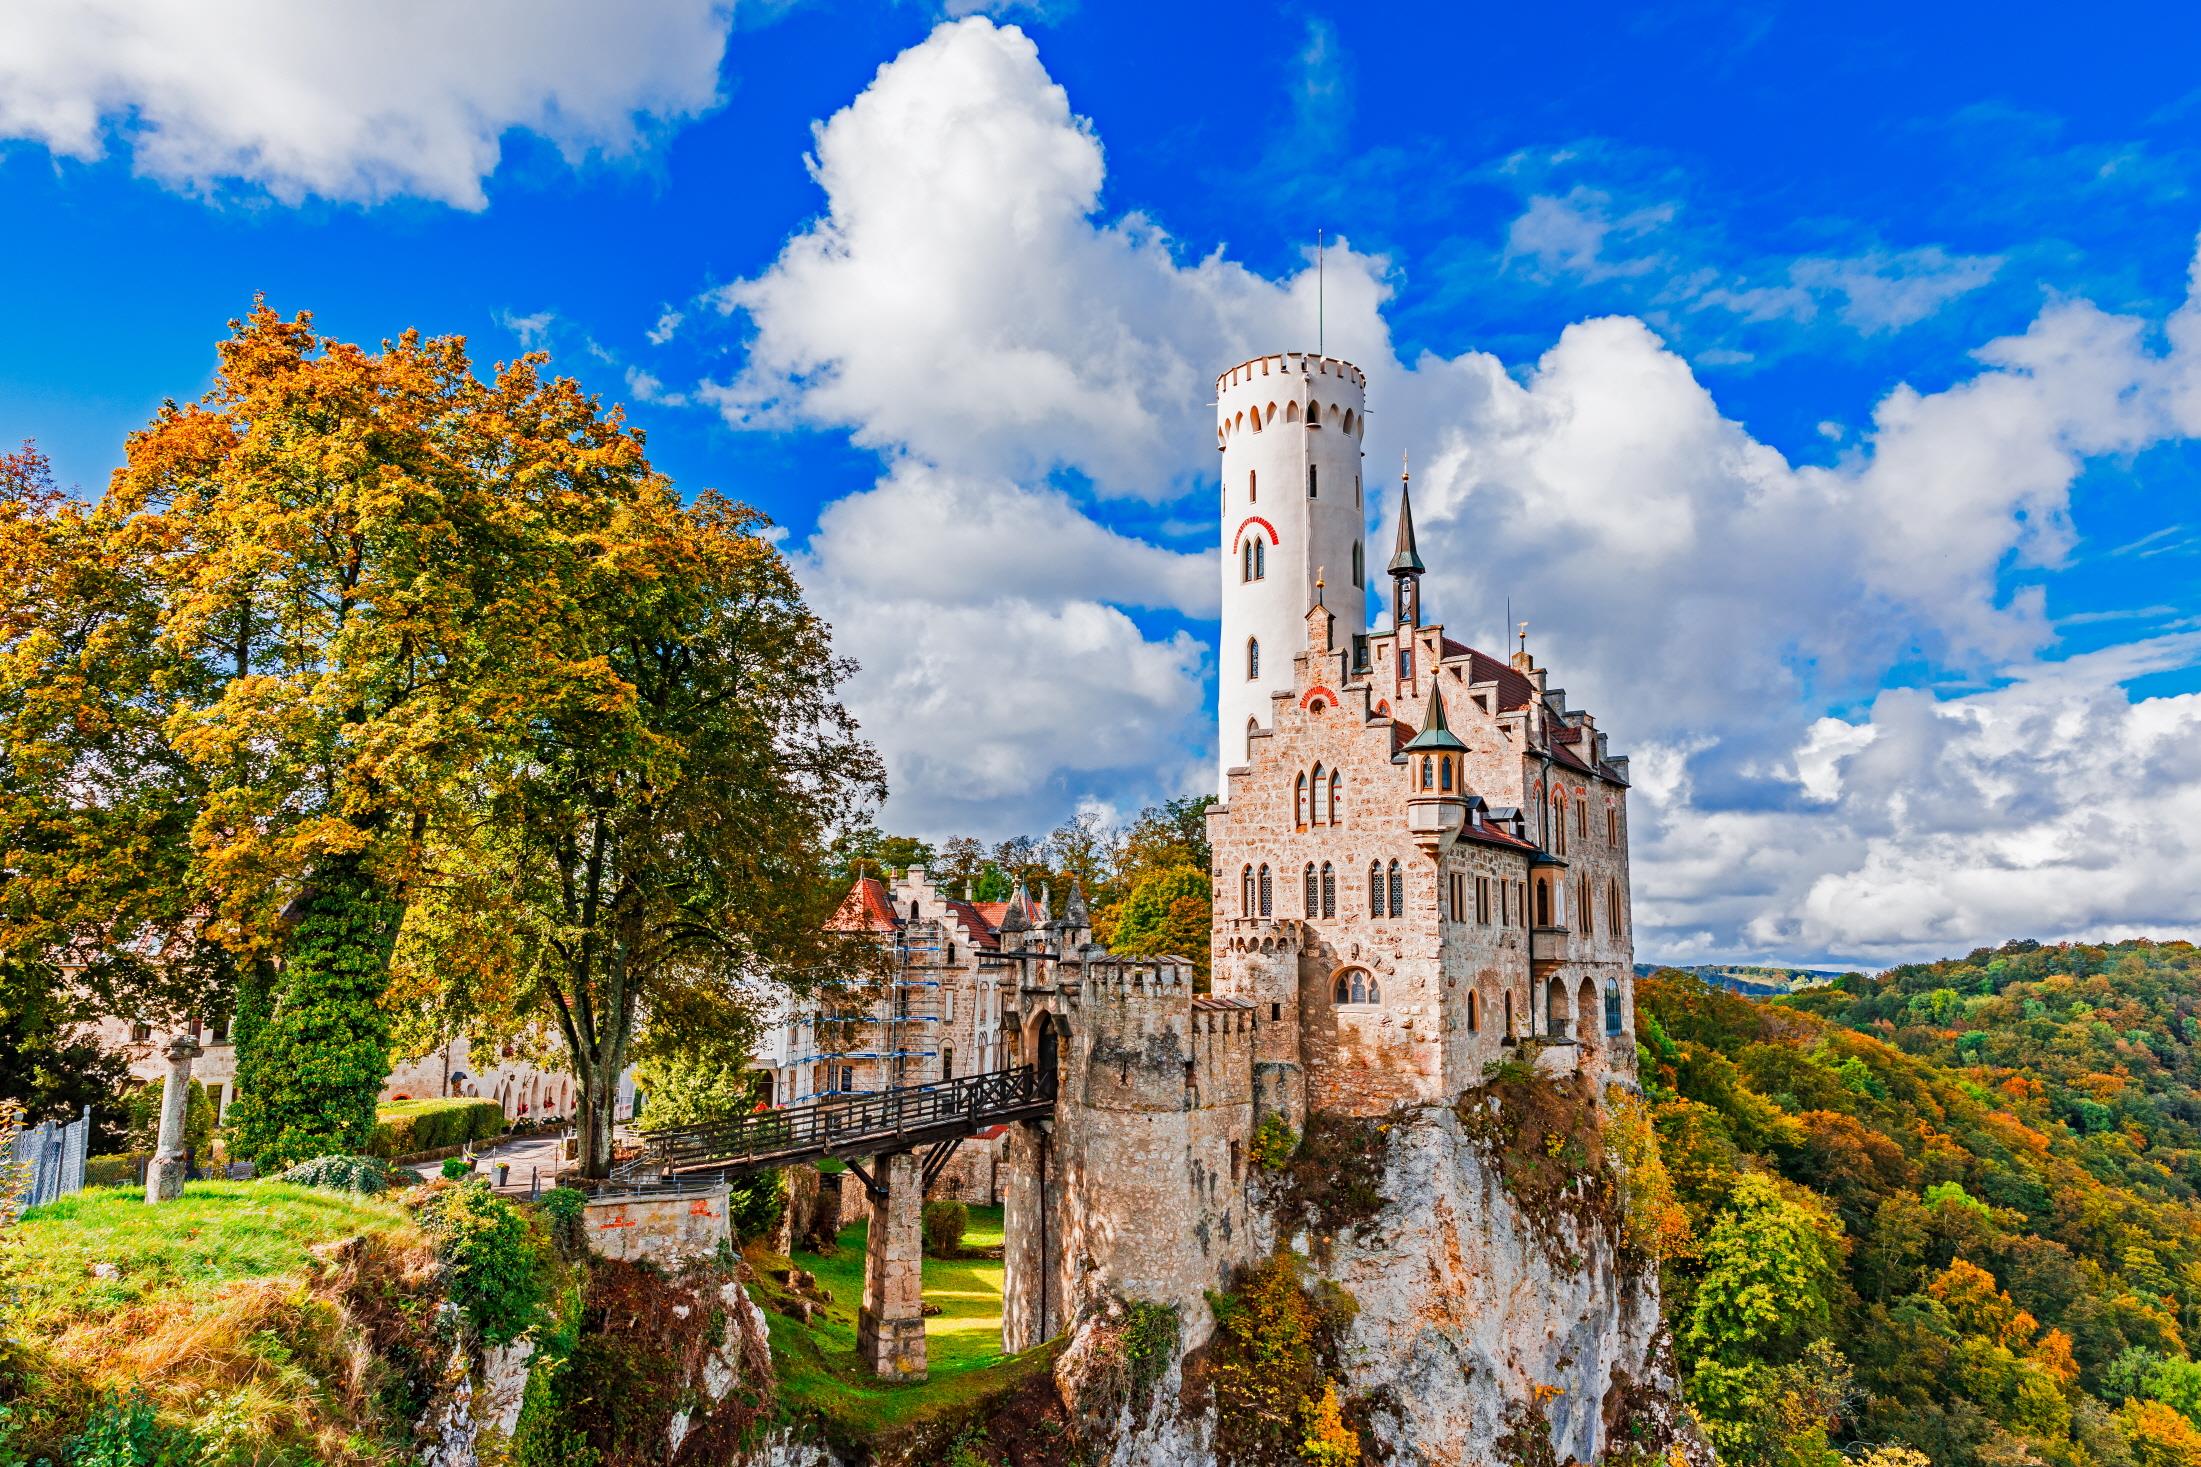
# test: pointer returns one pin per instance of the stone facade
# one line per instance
(664, 1228)
(1422, 910)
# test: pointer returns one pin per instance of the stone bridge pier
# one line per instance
(890, 1328)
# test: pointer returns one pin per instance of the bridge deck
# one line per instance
(855, 1125)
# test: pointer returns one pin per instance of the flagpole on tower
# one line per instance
(1318, 344)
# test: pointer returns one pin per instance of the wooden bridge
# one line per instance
(936, 1117)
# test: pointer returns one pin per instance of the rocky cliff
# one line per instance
(1477, 1290)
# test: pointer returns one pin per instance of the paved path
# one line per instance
(534, 1159)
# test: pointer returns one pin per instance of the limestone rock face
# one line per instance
(1476, 1323)
(1473, 1322)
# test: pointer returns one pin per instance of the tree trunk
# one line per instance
(599, 1115)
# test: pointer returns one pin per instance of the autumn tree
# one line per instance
(1166, 915)
(658, 837)
(95, 802)
(361, 554)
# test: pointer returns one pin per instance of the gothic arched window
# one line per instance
(1245, 892)
(1312, 898)
(1337, 796)
(1253, 726)
(1375, 888)
(1321, 814)
(1474, 1012)
(1398, 890)
(1253, 659)
(1612, 1006)
(1356, 985)
(1356, 562)
(1267, 891)
(1299, 801)
(1329, 890)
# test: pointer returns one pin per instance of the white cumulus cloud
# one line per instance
(358, 103)
(963, 306)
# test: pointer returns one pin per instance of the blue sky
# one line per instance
(1815, 380)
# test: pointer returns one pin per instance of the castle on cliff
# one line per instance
(1420, 870)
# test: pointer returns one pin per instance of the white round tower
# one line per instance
(1289, 427)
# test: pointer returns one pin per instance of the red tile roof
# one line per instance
(1493, 834)
(1514, 690)
(973, 917)
(867, 907)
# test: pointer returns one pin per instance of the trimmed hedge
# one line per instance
(409, 1127)
(113, 1171)
(363, 1174)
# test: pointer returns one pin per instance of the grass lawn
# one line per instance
(216, 1233)
(817, 1363)
(215, 1309)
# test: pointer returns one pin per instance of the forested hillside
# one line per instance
(1952, 1207)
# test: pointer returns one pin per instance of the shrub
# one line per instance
(362, 1174)
(1270, 1364)
(141, 1110)
(457, 1168)
(1274, 1141)
(1151, 1333)
(945, 1221)
(409, 1127)
(754, 1204)
(563, 1206)
(489, 1261)
(125, 1432)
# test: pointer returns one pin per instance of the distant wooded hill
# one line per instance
(1757, 979)
(1955, 1206)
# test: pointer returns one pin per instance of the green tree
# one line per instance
(1166, 836)
(690, 1080)
(1167, 914)
(658, 836)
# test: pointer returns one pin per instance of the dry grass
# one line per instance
(281, 1325)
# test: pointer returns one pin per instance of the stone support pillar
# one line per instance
(164, 1178)
(890, 1329)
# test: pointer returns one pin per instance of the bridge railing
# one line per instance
(826, 1126)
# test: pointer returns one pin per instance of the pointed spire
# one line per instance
(1018, 917)
(1073, 910)
(1405, 559)
(1435, 733)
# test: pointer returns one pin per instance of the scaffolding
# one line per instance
(876, 1034)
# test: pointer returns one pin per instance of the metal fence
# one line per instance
(49, 1159)
(855, 1125)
